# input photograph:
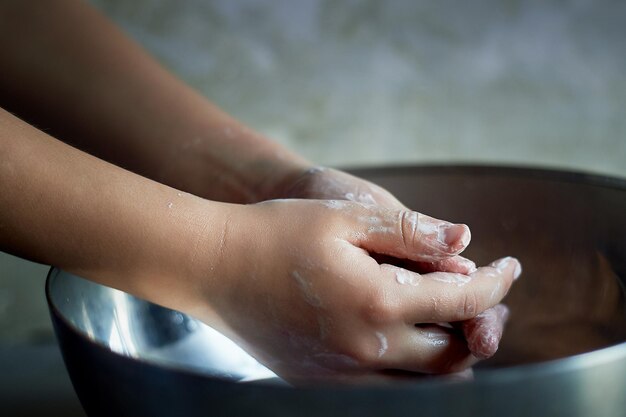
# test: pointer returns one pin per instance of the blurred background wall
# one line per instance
(404, 81)
(347, 83)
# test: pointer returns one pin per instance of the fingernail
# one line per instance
(518, 270)
(503, 263)
(451, 234)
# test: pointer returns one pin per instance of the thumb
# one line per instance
(407, 234)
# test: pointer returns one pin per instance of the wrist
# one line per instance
(170, 257)
(215, 259)
(191, 263)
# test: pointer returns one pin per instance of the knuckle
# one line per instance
(469, 307)
(408, 227)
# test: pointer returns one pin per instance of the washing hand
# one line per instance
(324, 308)
(303, 284)
(483, 333)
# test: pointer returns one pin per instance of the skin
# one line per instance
(342, 302)
(318, 294)
(483, 332)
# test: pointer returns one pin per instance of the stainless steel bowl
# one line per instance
(563, 352)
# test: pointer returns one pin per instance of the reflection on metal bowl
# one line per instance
(563, 352)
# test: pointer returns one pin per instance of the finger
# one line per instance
(410, 235)
(428, 349)
(447, 297)
(457, 264)
(483, 332)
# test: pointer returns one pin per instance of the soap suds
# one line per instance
(405, 277)
(370, 219)
(449, 278)
(307, 289)
(382, 339)
(314, 170)
(381, 229)
(335, 204)
(365, 198)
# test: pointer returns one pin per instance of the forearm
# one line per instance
(70, 71)
(63, 207)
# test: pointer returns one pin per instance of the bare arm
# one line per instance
(63, 207)
(71, 72)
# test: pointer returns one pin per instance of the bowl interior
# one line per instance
(568, 230)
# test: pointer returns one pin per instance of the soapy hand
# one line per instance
(324, 308)
(330, 184)
(483, 334)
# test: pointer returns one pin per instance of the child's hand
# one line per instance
(300, 290)
(327, 183)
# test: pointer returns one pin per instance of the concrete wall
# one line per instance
(371, 82)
